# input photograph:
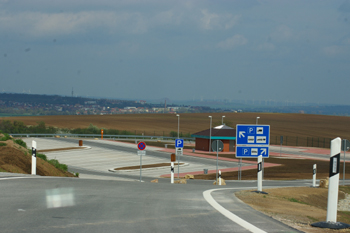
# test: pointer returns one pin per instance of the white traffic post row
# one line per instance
(172, 159)
(172, 172)
(33, 157)
(260, 173)
(333, 187)
(314, 176)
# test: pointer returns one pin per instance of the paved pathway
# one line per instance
(103, 158)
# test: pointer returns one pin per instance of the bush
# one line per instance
(5, 137)
(21, 143)
(42, 156)
(58, 165)
(2, 144)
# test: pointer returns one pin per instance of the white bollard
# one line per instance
(333, 187)
(260, 173)
(219, 177)
(314, 176)
(172, 172)
(33, 157)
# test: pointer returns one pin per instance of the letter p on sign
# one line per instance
(179, 143)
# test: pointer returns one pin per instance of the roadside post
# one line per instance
(345, 146)
(259, 173)
(173, 159)
(141, 146)
(33, 157)
(333, 188)
(217, 146)
(179, 145)
(101, 133)
(314, 176)
(219, 177)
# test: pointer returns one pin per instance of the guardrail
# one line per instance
(98, 136)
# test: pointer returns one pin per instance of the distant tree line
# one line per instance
(15, 127)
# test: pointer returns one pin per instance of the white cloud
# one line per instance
(333, 50)
(233, 42)
(210, 21)
(282, 32)
(38, 24)
(266, 46)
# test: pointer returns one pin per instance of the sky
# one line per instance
(263, 50)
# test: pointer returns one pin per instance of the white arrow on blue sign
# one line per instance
(252, 151)
(252, 135)
(179, 143)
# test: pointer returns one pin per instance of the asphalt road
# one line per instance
(46, 204)
(82, 205)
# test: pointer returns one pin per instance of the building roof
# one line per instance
(218, 132)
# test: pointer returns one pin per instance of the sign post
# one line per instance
(345, 146)
(179, 144)
(333, 188)
(141, 146)
(33, 157)
(259, 173)
(173, 159)
(314, 176)
(101, 133)
(252, 141)
(217, 146)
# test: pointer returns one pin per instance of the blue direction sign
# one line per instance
(179, 143)
(252, 151)
(252, 135)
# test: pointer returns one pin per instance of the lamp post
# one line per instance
(222, 120)
(210, 134)
(257, 118)
(178, 125)
(178, 157)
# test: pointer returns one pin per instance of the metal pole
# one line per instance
(178, 125)
(178, 166)
(344, 143)
(217, 159)
(141, 168)
(210, 134)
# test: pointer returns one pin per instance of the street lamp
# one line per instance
(222, 120)
(257, 118)
(178, 125)
(210, 134)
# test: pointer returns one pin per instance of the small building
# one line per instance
(222, 132)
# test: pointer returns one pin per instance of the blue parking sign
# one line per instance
(179, 143)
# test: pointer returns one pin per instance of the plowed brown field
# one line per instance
(301, 125)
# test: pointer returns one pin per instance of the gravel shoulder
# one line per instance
(299, 207)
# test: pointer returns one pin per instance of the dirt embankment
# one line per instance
(17, 159)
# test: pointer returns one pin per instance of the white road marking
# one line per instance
(207, 196)
(12, 178)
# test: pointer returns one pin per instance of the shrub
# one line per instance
(2, 144)
(42, 156)
(5, 137)
(58, 165)
(21, 143)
